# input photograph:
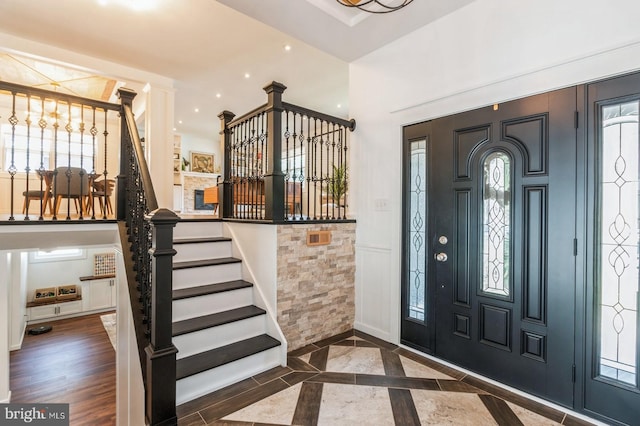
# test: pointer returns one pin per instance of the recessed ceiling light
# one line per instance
(179, 121)
(174, 129)
(218, 95)
(287, 47)
(197, 110)
(339, 105)
(247, 75)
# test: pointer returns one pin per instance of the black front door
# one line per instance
(493, 216)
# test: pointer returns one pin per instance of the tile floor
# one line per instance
(356, 379)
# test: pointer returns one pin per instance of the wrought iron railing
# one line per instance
(55, 151)
(285, 163)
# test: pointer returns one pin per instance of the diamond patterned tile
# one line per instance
(277, 408)
(350, 405)
(351, 359)
(414, 369)
(529, 418)
(449, 408)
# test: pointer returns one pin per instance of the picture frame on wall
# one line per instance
(201, 162)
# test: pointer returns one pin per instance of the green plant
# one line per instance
(338, 182)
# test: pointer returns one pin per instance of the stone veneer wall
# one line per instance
(316, 285)
(191, 183)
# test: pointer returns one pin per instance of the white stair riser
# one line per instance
(190, 277)
(211, 303)
(214, 337)
(201, 251)
(197, 229)
(208, 381)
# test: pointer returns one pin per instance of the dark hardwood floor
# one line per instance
(75, 364)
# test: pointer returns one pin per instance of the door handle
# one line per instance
(441, 257)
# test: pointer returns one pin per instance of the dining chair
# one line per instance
(71, 183)
(103, 194)
(43, 195)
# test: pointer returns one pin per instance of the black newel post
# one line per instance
(225, 192)
(161, 353)
(126, 98)
(274, 177)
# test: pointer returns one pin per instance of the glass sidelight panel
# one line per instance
(619, 216)
(417, 228)
(496, 224)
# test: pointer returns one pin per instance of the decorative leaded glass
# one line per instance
(417, 230)
(496, 208)
(619, 216)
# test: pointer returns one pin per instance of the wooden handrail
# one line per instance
(152, 202)
(349, 124)
(248, 115)
(48, 94)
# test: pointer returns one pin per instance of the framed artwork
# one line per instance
(201, 162)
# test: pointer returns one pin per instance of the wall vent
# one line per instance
(318, 238)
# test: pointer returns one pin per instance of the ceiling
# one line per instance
(220, 53)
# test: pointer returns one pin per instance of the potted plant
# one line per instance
(337, 187)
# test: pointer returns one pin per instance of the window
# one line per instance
(40, 148)
(417, 232)
(619, 235)
(496, 206)
(17, 146)
(57, 255)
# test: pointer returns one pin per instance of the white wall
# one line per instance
(17, 282)
(487, 52)
(5, 272)
(212, 145)
(61, 272)
(129, 386)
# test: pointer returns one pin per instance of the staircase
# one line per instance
(220, 333)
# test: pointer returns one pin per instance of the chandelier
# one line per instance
(375, 6)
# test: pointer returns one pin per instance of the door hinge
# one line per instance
(573, 373)
(575, 119)
(575, 246)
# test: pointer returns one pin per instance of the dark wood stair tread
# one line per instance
(202, 290)
(213, 358)
(200, 240)
(213, 320)
(206, 262)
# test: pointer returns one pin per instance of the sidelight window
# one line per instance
(417, 229)
(496, 223)
(619, 237)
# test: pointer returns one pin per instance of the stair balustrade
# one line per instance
(147, 237)
(284, 163)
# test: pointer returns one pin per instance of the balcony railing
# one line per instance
(56, 153)
(285, 163)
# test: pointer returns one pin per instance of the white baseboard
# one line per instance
(375, 332)
(18, 345)
(74, 315)
(8, 400)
